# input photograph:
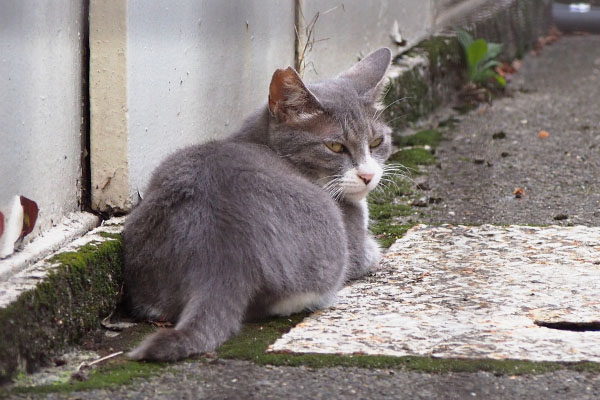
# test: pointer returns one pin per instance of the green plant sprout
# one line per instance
(481, 59)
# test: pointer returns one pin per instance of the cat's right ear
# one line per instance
(289, 98)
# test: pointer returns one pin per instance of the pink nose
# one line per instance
(366, 177)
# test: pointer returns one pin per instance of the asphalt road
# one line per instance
(244, 380)
(477, 176)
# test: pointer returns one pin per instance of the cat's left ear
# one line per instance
(367, 75)
(289, 98)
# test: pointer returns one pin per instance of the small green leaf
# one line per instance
(493, 50)
(501, 81)
(464, 38)
(476, 52)
(489, 64)
(483, 76)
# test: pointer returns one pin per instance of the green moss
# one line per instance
(109, 235)
(388, 210)
(65, 305)
(443, 52)
(387, 233)
(393, 187)
(254, 338)
(111, 375)
(407, 99)
(251, 343)
(428, 137)
(425, 87)
(412, 158)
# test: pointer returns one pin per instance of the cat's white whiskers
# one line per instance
(331, 177)
(332, 182)
(395, 168)
(338, 195)
(387, 183)
(335, 186)
(395, 119)
(379, 112)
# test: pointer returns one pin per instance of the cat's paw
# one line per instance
(365, 263)
(164, 345)
(372, 253)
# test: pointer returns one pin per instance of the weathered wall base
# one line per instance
(431, 74)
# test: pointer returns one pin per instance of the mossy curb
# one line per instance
(432, 73)
(72, 299)
(426, 77)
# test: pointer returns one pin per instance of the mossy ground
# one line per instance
(427, 137)
(252, 342)
(389, 204)
(412, 158)
(112, 374)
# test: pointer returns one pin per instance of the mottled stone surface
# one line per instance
(468, 292)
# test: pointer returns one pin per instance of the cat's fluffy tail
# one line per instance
(201, 328)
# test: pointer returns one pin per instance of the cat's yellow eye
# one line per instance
(375, 142)
(336, 147)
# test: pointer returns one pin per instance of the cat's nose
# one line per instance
(366, 176)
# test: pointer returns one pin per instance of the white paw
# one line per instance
(372, 253)
(302, 301)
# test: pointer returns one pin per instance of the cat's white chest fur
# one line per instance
(372, 250)
(365, 209)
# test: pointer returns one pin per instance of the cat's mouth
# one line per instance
(350, 187)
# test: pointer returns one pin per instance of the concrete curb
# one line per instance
(430, 75)
(57, 300)
(71, 227)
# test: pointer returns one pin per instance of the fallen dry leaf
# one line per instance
(507, 70)
(519, 192)
(552, 37)
(30, 214)
(543, 134)
(161, 324)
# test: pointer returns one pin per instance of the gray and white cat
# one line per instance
(272, 221)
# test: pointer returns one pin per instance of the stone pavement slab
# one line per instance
(469, 292)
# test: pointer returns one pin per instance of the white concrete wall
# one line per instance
(195, 69)
(40, 105)
(448, 12)
(165, 74)
(168, 74)
(348, 30)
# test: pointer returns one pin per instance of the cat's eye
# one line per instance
(336, 147)
(375, 142)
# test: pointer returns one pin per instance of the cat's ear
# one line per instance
(367, 75)
(289, 98)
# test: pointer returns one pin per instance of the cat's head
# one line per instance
(331, 131)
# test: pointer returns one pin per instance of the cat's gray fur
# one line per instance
(243, 228)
